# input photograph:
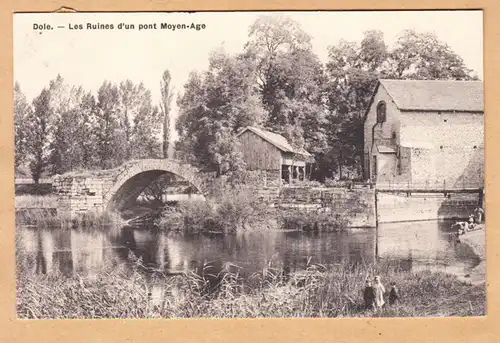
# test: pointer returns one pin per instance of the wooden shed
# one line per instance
(270, 152)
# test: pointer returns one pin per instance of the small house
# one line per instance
(274, 157)
(425, 132)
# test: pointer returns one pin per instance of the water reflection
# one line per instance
(420, 244)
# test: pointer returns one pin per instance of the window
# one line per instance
(394, 135)
(381, 112)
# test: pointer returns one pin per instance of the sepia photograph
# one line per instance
(249, 164)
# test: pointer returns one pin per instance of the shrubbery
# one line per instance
(230, 209)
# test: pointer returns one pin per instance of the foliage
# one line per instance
(290, 81)
(167, 94)
(233, 208)
(318, 291)
(423, 56)
(38, 126)
(214, 106)
(21, 113)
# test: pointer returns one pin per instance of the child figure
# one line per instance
(379, 292)
(369, 295)
(471, 222)
(393, 294)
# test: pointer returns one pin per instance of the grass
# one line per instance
(35, 201)
(43, 218)
(318, 291)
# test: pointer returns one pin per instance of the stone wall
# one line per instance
(78, 193)
(100, 190)
(357, 204)
(421, 206)
(382, 132)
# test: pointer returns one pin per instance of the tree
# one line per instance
(424, 56)
(166, 99)
(110, 142)
(290, 81)
(352, 71)
(214, 106)
(72, 143)
(21, 111)
(38, 130)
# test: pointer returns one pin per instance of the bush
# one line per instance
(235, 209)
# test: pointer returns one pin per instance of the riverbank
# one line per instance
(476, 240)
(334, 291)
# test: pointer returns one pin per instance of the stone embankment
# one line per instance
(476, 240)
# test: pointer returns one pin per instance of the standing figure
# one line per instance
(379, 292)
(479, 213)
(393, 294)
(369, 296)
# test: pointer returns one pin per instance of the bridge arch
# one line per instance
(132, 178)
(115, 189)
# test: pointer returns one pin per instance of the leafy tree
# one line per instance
(22, 110)
(423, 56)
(214, 106)
(166, 99)
(352, 71)
(88, 131)
(290, 81)
(72, 143)
(110, 142)
(38, 129)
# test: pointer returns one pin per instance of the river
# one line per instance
(420, 245)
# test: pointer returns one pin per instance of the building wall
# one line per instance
(454, 151)
(387, 165)
(443, 128)
(454, 166)
(422, 206)
(382, 132)
(434, 146)
(358, 205)
(258, 153)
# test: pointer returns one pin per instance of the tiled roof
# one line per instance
(436, 95)
(275, 139)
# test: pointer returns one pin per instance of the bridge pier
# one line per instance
(79, 194)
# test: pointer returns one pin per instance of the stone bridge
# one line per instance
(116, 189)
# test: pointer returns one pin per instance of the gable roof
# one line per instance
(432, 95)
(275, 139)
(436, 95)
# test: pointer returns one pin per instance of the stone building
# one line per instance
(425, 132)
(272, 156)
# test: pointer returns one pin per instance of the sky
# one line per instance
(88, 57)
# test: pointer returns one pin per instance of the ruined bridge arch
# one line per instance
(117, 188)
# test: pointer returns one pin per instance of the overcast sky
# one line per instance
(88, 57)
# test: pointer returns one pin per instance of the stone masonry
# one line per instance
(115, 189)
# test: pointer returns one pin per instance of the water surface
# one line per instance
(421, 245)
